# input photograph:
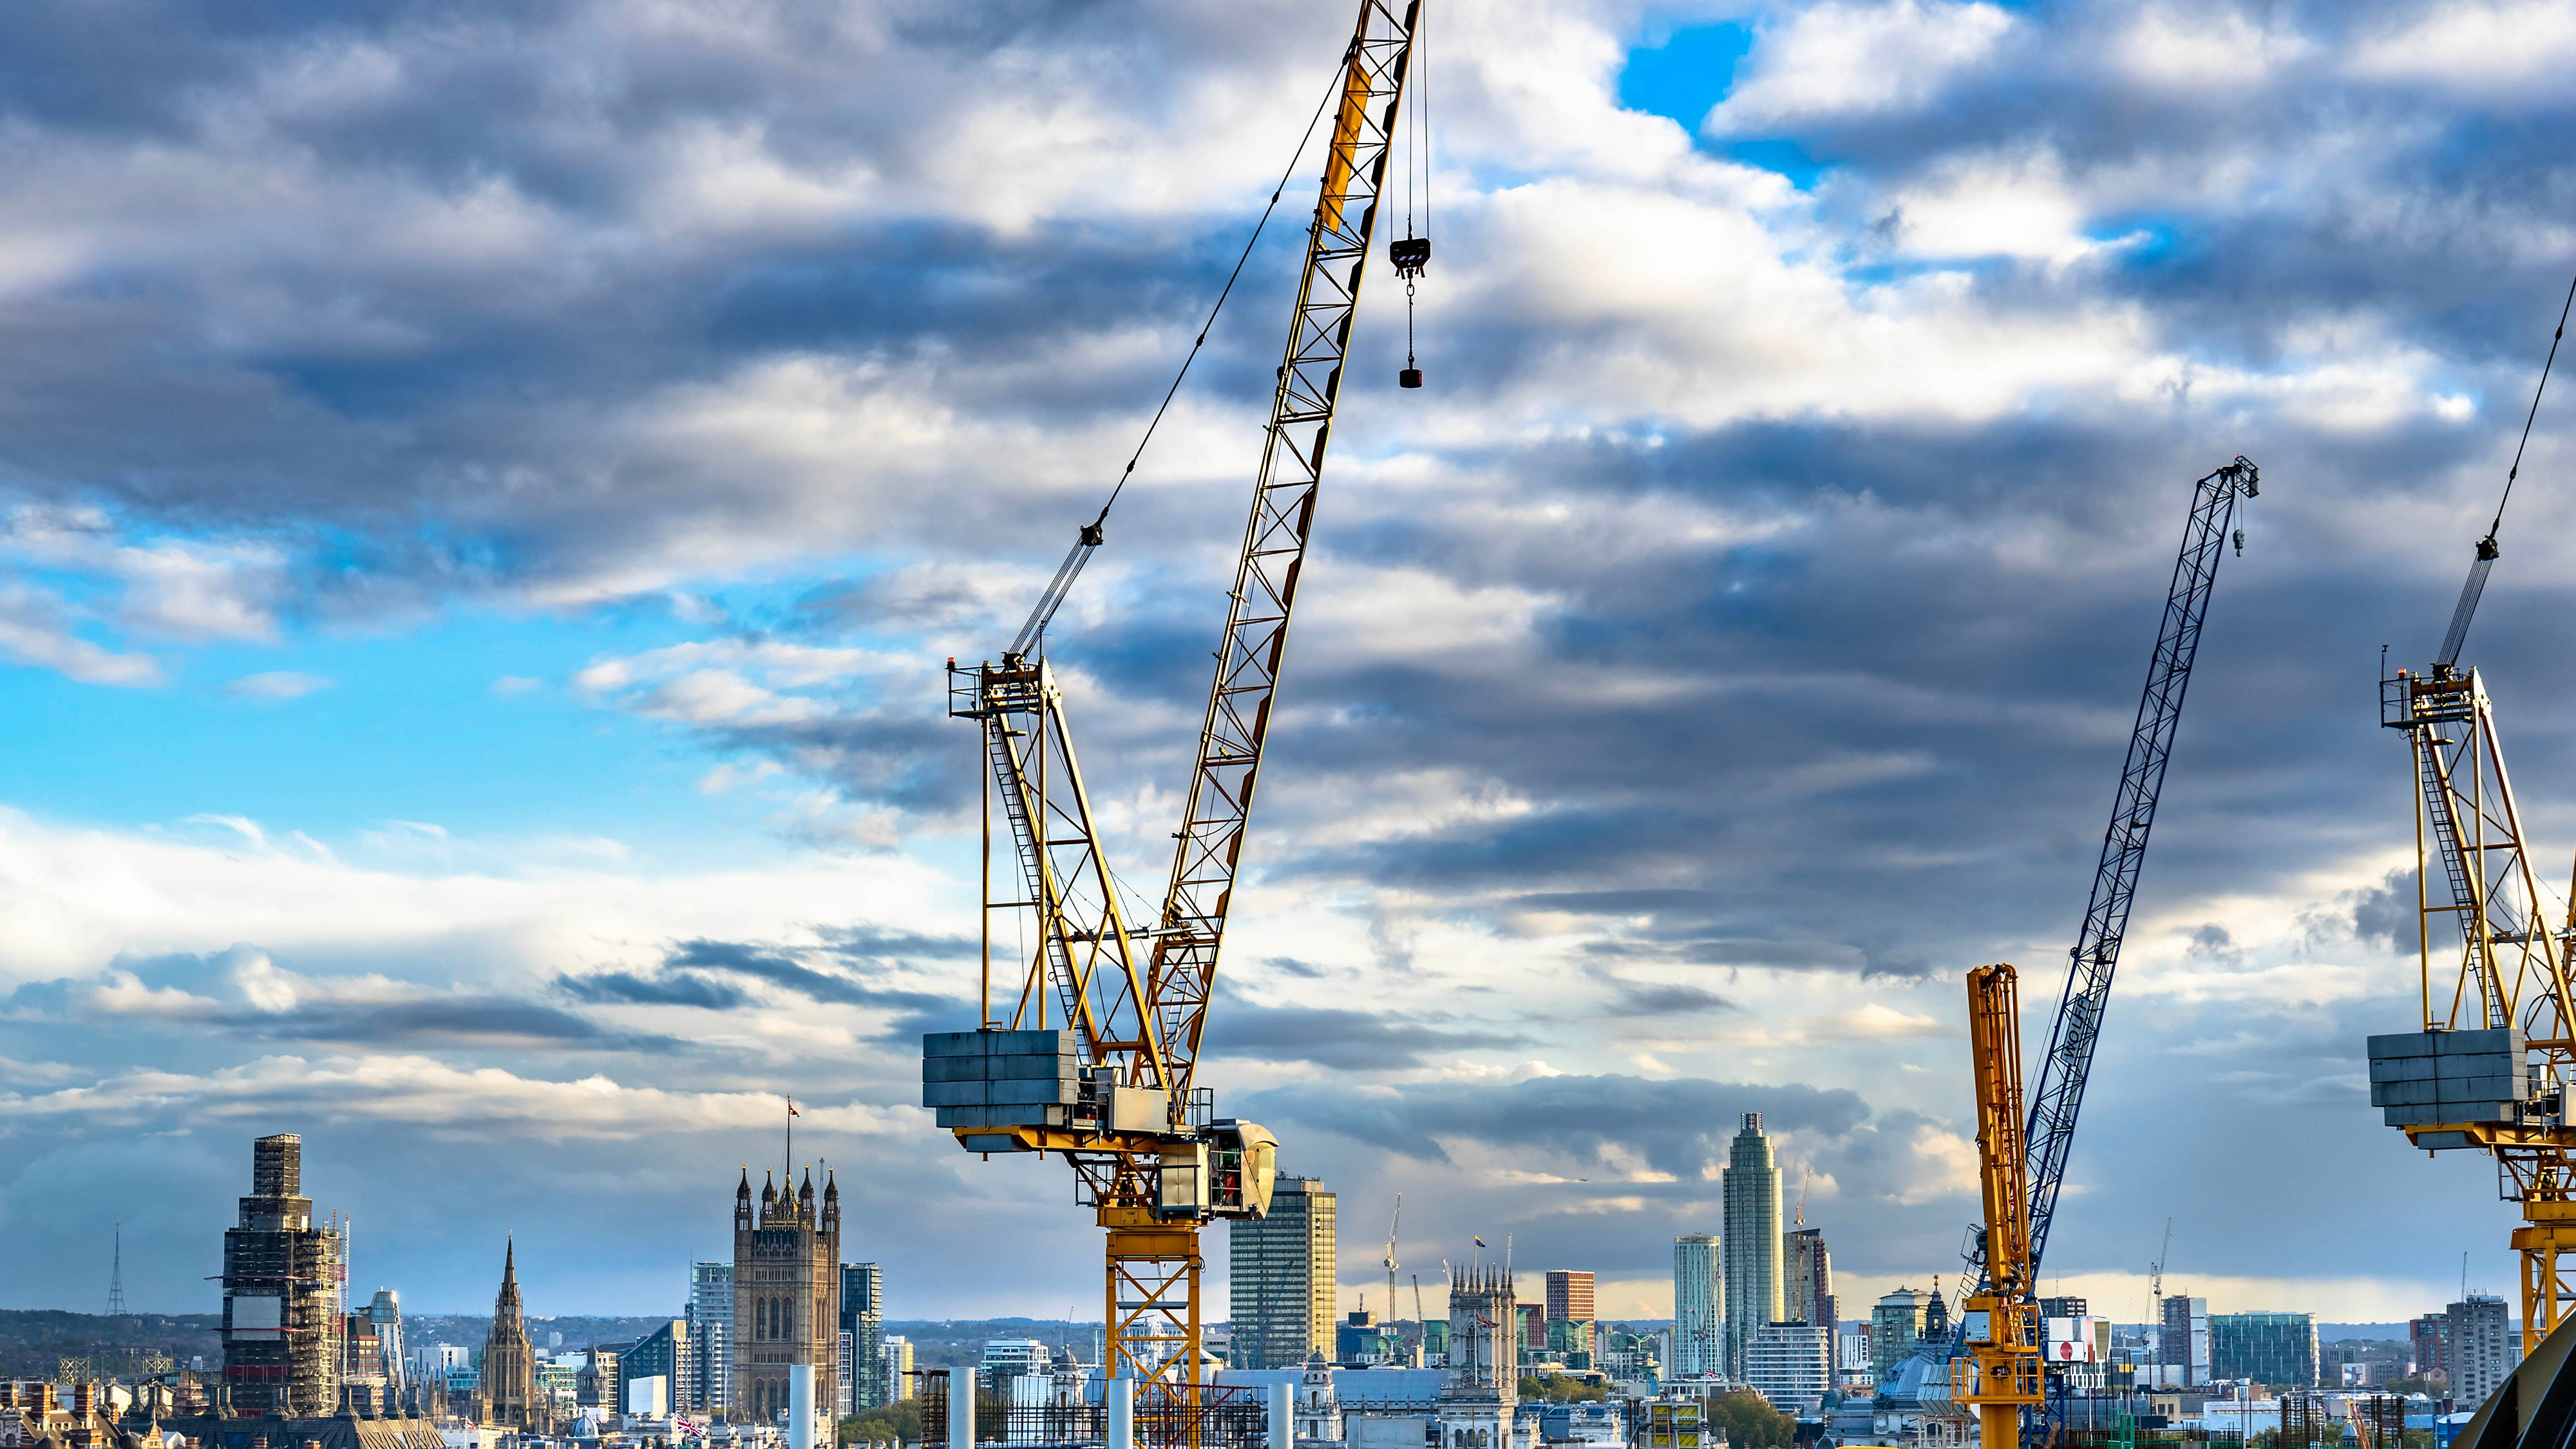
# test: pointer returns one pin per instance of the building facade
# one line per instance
(1569, 1298)
(2269, 1348)
(1752, 1233)
(1699, 1307)
(506, 1396)
(282, 1327)
(1808, 1296)
(863, 1325)
(664, 1355)
(1791, 1365)
(1895, 1323)
(711, 1332)
(2182, 1340)
(786, 1296)
(2428, 1340)
(1286, 1271)
(898, 1367)
(2480, 1349)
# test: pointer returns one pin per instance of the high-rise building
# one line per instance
(1285, 1270)
(863, 1320)
(1791, 1365)
(1894, 1325)
(1531, 1324)
(506, 1397)
(384, 1311)
(282, 1324)
(2269, 1348)
(1569, 1297)
(898, 1368)
(1809, 1295)
(711, 1333)
(1699, 1307)
(2428, 1339)
(664, 1355)
(2182, 1340)
(786, 1296)
(2480, 1349)
(1752, 1230)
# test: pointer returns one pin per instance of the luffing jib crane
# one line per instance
(2062, 1073)
(2490, 1070)
(1094, 1053)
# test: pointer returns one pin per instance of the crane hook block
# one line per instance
(1409, 377)
(1410, 255)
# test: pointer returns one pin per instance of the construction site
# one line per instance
(1089, 1022)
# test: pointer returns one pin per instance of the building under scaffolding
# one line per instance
(281, 1281)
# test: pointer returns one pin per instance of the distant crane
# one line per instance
(2156, 1287)
(1805, 1172)
(1390, 1256)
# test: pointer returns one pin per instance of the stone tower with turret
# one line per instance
(786, 1295)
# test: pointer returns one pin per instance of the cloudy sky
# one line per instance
(486, 491)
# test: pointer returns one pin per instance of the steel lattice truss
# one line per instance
(1210, 848)
(2059, 1094)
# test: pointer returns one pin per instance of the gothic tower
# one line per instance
(786, 1295)
(506, 1397)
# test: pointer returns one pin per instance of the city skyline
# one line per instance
(482, 548)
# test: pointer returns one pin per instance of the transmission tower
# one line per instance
(116, 1277)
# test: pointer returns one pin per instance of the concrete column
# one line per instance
(800, 1406)
(1122, 1414)
(961, 1408)
(1283, 1416)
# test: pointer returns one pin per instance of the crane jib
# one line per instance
(2059, 1092)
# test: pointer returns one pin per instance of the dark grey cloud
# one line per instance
(1679, 1126)
(366, 1014)
(1340, 1038)
(715, 975)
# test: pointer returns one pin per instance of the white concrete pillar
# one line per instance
(1283, 1416)
(1122, 1414)
(961, 1409)
(800, 1406)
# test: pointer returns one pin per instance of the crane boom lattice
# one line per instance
(1093, 1054)
(2059, 1095)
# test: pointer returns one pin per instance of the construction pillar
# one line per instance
(1122, 1413)
(1283, 1416)
(961, 1409)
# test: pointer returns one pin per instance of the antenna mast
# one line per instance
(116, 1277)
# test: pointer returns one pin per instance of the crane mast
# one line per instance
(1092, 1052)
(2078, 1028)
(2489, 1071)
(1999, 1321)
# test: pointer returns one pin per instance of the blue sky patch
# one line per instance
(1685, 76)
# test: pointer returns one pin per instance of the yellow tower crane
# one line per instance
(1999, 1322)
(1093, 1053)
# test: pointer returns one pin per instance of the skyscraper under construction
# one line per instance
(281, 1292)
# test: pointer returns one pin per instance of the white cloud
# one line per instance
(2476, 46)
(424, 1092)
(276, 685)
(1840, 59)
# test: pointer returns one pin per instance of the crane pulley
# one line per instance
(1093, 1055)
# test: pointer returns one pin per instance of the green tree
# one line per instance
(1750, 1422)
(898, 1422)
(1561, 1389)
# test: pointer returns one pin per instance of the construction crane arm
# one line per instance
(1999, 1321)
(1236, 725)
(2062, 1072)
